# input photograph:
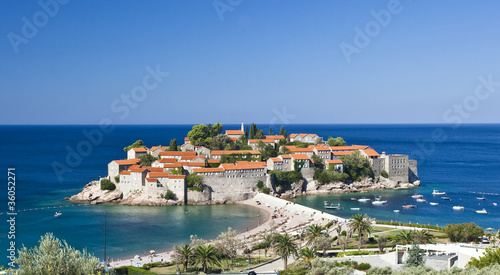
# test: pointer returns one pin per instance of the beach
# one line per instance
(284, 217)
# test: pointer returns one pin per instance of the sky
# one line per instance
(233, 61)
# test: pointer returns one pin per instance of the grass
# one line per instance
(239, 264)
(135, 270)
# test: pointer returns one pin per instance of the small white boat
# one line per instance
(364, 199)
(417, 196)
(495, 204)
(354, 199)
(421, 200)
(445, 198)
(57, 214)
(481, 198)
(437, 193)
(407, 206)
(355, 208)
(482, 211)
(379, 202)
(332, 206)
(396, 211)
(377, 198)
(456, 207)
(433, 203)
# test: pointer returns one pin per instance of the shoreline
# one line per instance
(291, 218)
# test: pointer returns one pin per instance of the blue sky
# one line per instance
(265, 62)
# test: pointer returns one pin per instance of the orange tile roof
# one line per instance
(334, 161)
(234, 132)
(229, 152)
(134, 166)
(276, 159)
(242, 166)
(167, 160)
(138, 170)
(213, 161)
(201, 164)
(125, 173)
(158, 147)
(275, 137)
(294, 149)
(126, 161)
(292, 135)
(349, 148)
(151, 180)
(371, 153)
(154, 169)
(173, 165)
(208, 170)
(159, 174)
(342, 153)
(186, 139)
(177, 176)
(285, 156)
(140, 149)
(191, 157)
(322, 148)
(300, 156)
(177, 153)
(263, 140)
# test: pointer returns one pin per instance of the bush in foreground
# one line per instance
(107, 185)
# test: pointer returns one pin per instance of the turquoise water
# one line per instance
(467, 160)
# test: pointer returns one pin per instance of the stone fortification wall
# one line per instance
(232, 189)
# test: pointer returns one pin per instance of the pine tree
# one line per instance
(282, 130)
(173, 145)
(270, 131)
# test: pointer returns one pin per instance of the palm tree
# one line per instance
(184, 254)
(313, 232)
(422, 236)
(268, 242)
(285, 247)
(360, 224)
(206, 255)
(307, 254)
(405, 236)
(338, 229)
(381, 241)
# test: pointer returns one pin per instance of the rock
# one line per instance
(416, 183)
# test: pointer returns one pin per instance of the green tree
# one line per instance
(323, 267)
(107, 185)
(194, 180)
(282, 131)
(360, 224)
(336, 141)
(415, 258)
(147, 160)
(117, 178)
(216, 130)
(136, 144)
(219, 142)
(229, 243)
(285, 247)
(381, 242)
(170, 195)
(307, 254)
(356, 166)
(490, 257)
(405, 237)
(270, 131)
(205, 255)
(183, 254)
(465, 232)
(198, 134)
(313, 232)
(54, 257)
(384, 174)
(422, 236)
(268, 242)
(318, 161)
(173, 145)
(253, 131)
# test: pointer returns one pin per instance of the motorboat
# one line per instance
(421, 200)
(433, 203)
(458, 207)
(445, 198)
(481, 198)
(396, 211)
(57, 214)
(417, 196)
(377, 198)
(495, 204)
(364, 199)
(332, 205)
(379, 202)
(437, 193)
(407, 206)
(355, 208)
(482, 211)
(354, 199)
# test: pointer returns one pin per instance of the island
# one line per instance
(213, 166)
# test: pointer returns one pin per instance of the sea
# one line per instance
(53, 162)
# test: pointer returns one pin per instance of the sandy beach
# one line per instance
(283, 217)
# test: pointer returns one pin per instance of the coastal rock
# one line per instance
(92, 193)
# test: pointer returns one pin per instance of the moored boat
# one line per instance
(445, 198)
(407, 206)
(379, 202)
(482, 211)
(481, 198)
(57, 214)
(355, 208)
(456, 207)
(437, 193)
(421, 200)
(396, 211)
(364, 199)
(332, 205)
(433, 203)
(417, 196)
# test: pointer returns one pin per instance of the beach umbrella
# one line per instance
(489, 229)
(137, 257)
(152, 251)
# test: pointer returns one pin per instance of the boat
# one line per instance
(482, 211)
(355, 208)
(377, 198)
(354, 199)
(57, 214)
(458, 207)
(481, 198)
(437, 193)
(364, 199)
(433, 203)
(421, 200)
(396, 211)
(407, 206)
(417, 196)
(445, 198)
(332, 205)
(379, 202)
(495, 204)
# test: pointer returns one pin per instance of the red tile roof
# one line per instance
(300, 156)
(177, 176)
(285, 156)
(349, 148)
(275, 137)
(126, 161)
(229, 152)
(154, 169)
(263, 140)
(167, 160)
(159, 175)
(125, 173)
(318, 148)
(208, 170)
(371, 153)
(140, 149)
(213, 161)
(234, 132)
(151, 180)
(138, 170)
(334, 161)
(276, 159)
(294, 149)
(177, 153)
(173, 165)
(342, 153)
(191, 157)
(200, 164)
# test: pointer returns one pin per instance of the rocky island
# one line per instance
(212, 167)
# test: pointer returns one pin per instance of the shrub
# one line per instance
(384, 174)
(260, 184)
(107, 185)
(170, 195)
(199, 189)
(117, 178)
(265, 190)
(363, 266)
